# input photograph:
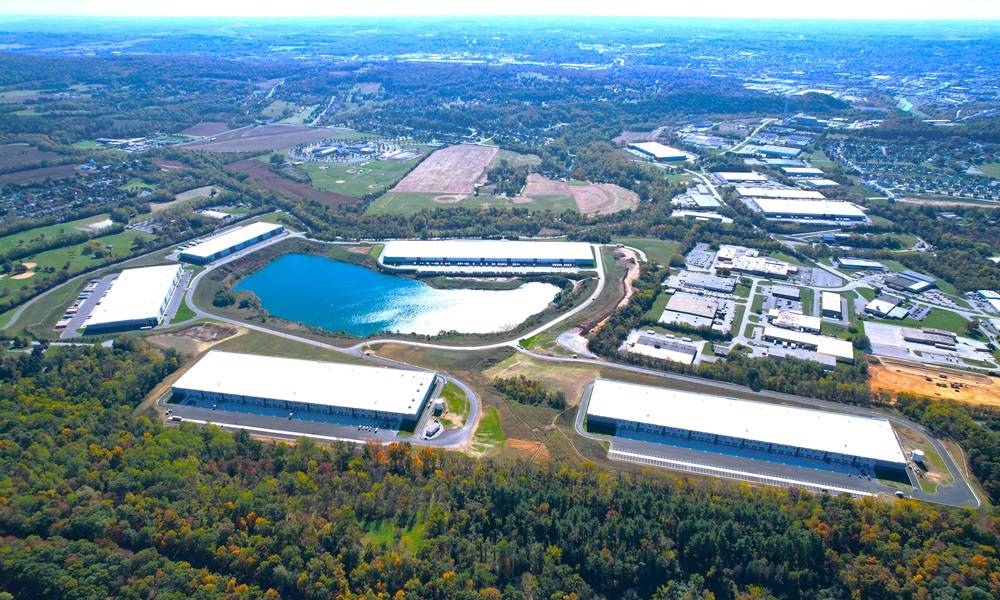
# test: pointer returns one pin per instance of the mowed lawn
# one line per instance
(655, 249)
(119, 243)
(15, 240)
(357, 179)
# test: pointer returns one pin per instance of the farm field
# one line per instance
(14, 240)
(590, 198)
(206, 128)
(407, 203)
(357, 179)
(13, 156)
(515, 159)
(263, 176)
(264, 138)
(204, 191)
(39, 174)
(451, 170)
(119, 243)
(895, 377)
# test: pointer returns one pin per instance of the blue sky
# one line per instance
(768, 9)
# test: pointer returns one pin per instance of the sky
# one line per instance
(766, 9)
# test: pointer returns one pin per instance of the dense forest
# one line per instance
(98, 502)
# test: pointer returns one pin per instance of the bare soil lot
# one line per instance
(973, 388)
(168, 164)
(41, 174)
(264, 138)
(590, 198)
(266, 178)
(206, 128)
(451, 170)
(19, 155)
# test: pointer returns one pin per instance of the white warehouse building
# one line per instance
(382, 396)
(621, 408)
(230, 241)
(137, 298)
(486, 255)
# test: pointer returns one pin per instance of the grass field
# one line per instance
(255, 342)
(937, 319)
(656, 311)
(514, 159)
(991, 169)
(357, 179)
(489, 434)
(14, 240)
(183, 313)
(408, 203)
(120, 245)
(655, 249)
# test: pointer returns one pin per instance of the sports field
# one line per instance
(451, 170)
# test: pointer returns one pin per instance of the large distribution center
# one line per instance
(226, 243)
(487, 253)
(349, 393)
(824, 210)
(824, 437)
(658, 151)
(137, 298)
(787, 193)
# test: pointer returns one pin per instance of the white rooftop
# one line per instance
(802, 170)
(794, 320)
(830, 301)
(228, 239)
(809, 208)
(823, 344)
(487, 249)
(823, 431)
(325, 383)
(733, 177)
(135, 295)
(658, 150)
(765, 192)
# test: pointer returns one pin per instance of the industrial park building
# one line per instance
(839, 349)
(831, 305)
(816, 210)
(779, 193)
(820, 437)
(659, 152)
(230, 241)
(385, 397)
(489, 254)
(138, 298)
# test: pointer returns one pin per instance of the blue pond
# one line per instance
(339, 296)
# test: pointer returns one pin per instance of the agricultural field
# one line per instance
(514, 159)
(14, 156)
(260, 174)
(408, 203)
(590, 198)
(452, 170)
(264, 138)
(894, 377)
(39, 174)
(357, 179)
(205, 128)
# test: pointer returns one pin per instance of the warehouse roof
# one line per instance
(135, 295)
(487, 249)
(228, 239)
(808, 208)
(325, 383)
(734, 177)
(830, 301)
(860, 263)
(802, 170)
(793, 320)
(764, 192)
(693, 304)
(823, 344)
(823, 431)
(658, 150)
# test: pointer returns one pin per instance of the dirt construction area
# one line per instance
(590, 198)
(264, 138)
(451, 170)
(972, 388)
